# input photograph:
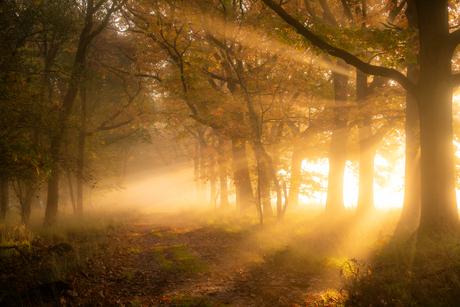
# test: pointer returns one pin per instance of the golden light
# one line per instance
(386, 197)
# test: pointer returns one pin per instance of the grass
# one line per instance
(375, 267)
(408, 271)
(178, 258)
(127, 274)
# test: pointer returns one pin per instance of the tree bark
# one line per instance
(438, 199)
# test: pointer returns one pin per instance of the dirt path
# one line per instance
(141, 267)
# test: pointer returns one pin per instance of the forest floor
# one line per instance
(171, 259)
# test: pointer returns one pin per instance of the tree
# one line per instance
(433, 93)
(93, 26)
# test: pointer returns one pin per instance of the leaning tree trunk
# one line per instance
(338, 147)
(438, 199)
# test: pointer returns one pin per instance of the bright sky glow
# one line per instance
(387, 197)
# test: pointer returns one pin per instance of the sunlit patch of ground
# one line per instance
(153, 258)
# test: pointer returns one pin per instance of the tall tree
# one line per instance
(97, 17)
(433, 93)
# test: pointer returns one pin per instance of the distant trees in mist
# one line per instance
(243, 91)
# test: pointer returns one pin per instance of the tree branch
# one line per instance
(340, 53)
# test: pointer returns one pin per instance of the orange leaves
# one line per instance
(167, 298)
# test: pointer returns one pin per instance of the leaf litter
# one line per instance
(160, 261)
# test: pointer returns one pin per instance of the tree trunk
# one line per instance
(222, 175)
(203, 179)
(26, 203)
(244, 196)
(265, 190)
(338, 146)
(196, 172)
(4, 198)
(53, 183)
(81, 151)
(367, 150)
(368, 144)
(296, 177)
(410, 214)
(86, 36)
(212, 181)
(438, 199)
(72, 198)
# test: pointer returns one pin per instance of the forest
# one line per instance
(229, 153)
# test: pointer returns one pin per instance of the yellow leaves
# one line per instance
(37, 2)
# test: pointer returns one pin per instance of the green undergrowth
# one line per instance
(407, 271)
(192, 301)
(169, 234)
(178, 258)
